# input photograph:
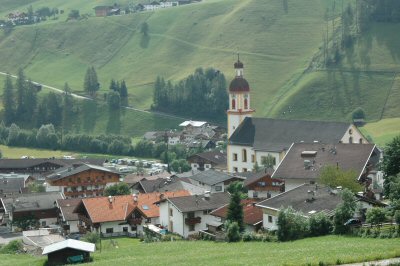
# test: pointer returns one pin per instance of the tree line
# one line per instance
(202, 94)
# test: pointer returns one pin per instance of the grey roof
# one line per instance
(14, 175)
(152, 185)
(199, 203)
(346, 156)
(27, 163)
(212, 177)
(135, 178)
(69, 171)
(9, 185)
(217, 157)
(182, 185)
(324, 200)
(32, 201)
(277, 134)
(69, 243)
(67, 207)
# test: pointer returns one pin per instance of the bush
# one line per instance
(291, 225)
(319, 225)
(91, 237)
(14, 247)
(232, 233)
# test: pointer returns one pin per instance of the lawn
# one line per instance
(382, 131)
(329, 249)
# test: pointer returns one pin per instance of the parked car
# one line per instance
(353, 222)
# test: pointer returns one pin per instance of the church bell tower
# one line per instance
(239, 99)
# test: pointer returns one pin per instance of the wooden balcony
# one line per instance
(84, 219)
(192, 221)
(135, 221)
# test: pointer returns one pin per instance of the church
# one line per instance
(251, 139)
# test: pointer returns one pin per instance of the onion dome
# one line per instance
(239, 84)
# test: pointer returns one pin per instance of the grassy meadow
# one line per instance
(281, 49)
(382, 131)
(311, 251)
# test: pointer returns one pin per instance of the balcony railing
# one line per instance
(192, 221)
(135, 221)
(84, 219)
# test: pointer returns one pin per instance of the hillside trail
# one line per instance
(80, 97)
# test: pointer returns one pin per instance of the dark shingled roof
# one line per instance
(216, 157)
(69, 171)
(67, 207)
(239, 84)
(324, 200)
(211, 177)
(32, 201)
(348, 156)
(9, 185)
(277, 134)
(199, 203)
(26, 163)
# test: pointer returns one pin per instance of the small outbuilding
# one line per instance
(68, 251)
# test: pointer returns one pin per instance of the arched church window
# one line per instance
(246, 104)
(361, 141)
(351, 140)
(233, 104)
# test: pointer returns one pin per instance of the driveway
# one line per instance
(7, 237)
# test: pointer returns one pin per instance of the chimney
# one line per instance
(135, 198)
(310, 196)
(110, 200)
(207, 194)
(162, 196)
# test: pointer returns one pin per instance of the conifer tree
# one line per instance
(235, 210)
(68, 105)
(21, 91)
(8, 101)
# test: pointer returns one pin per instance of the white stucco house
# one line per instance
(190, 214)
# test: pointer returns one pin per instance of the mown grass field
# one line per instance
(382, 131)
(329, 250)
(276, 45)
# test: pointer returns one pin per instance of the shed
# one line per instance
(68, 251)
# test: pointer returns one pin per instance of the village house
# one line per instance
(190, 214)
(121, 215)
(261, 185)
(36, 206)
(252, 215)
(213, 181)
(304, 161)
(40, 167)
(11, 186)
(28, 179)
(68, 220)
(208, 160)
(308, 199)
(82, 181)
(171, 184)
(252, 139)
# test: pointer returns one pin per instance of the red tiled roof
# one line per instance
(100, 209)
(251, 214)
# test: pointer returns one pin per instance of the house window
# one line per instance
(253, 158)
(133, 228)
(255, 194)
(268, 195)
(235, 169)
(244, 155)
(244, 170)
(205, 212)
(109, 230)
(361, 141)
(270, 219)
(233, 104)
(191, 227)
(79, 179)
(190, 215)
(351, 140)
(350, 131)
(235, 157)
(148, 221)
(124, 229)
(261, 184)
(218, 188)
(171, 212)
(43, 223)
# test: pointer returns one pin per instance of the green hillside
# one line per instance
(281, 50)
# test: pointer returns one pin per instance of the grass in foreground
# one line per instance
(328, 249)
